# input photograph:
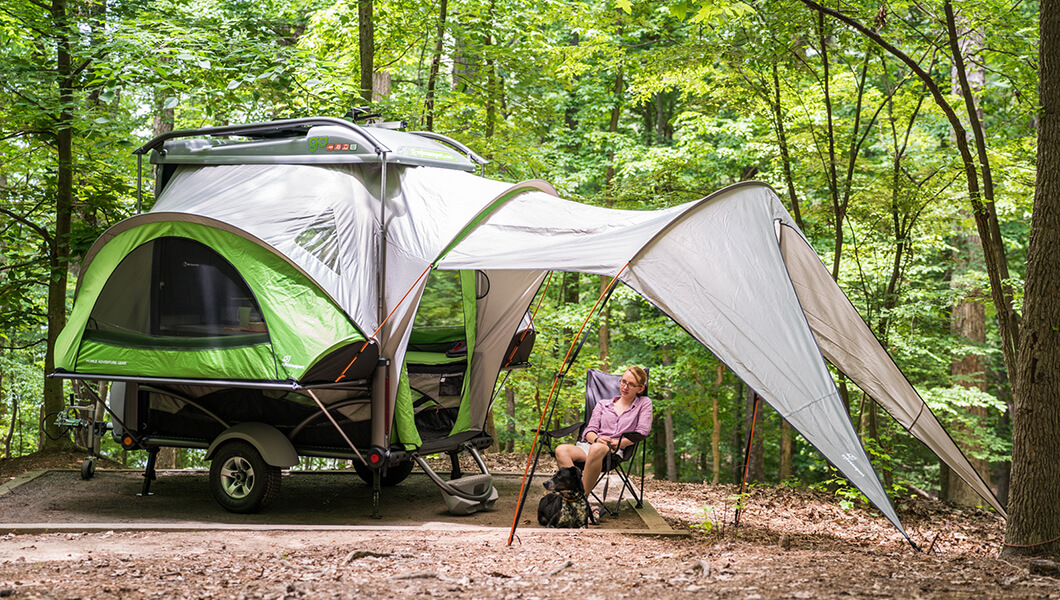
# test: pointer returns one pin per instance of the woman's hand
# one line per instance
(611, 443)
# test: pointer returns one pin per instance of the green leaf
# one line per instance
(235, 83)
(171, 102)
(625, 6)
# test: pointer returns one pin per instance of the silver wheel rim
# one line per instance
(237, 477)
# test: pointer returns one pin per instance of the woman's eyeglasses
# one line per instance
(623, 384)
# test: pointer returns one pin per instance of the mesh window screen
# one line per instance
(320, 240)
(180, 290)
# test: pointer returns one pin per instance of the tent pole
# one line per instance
(139, 181)
(747, 460)
(380, 393)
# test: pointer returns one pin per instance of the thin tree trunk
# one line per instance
(786, 449)
(969, 371)
(668, 422)
(11, 428)
(671, 457)
(612, 127)
(59, 248)
(782, 144)
(366, 41)
(658, 456)
(492, 84)
(739, 439)
(509, 405)
(715, 436)
(436, 61)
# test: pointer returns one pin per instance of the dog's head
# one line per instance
(567, 482)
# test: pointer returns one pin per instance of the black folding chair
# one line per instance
(600, 385)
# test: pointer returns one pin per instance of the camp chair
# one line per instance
(600, 385)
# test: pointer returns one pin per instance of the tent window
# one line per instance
(442, 303)
(320, 240)
(177, 292)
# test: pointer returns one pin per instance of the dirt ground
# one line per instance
(791, 543)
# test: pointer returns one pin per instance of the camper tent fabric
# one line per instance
(717, 266)
(303, 323)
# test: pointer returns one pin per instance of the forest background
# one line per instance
(865, 134)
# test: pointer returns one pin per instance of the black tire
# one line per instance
(88, 469)
(392, 476)
(240, 479)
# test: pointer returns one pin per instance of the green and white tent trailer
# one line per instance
(325, 235)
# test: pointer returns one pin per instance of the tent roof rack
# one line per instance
(310, 140)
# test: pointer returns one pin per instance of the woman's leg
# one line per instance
(566, 454)
(594, 463)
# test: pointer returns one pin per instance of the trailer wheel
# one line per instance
(392, 476)
(88, 469)
(240, 479)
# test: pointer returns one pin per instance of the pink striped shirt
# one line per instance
(605, 421)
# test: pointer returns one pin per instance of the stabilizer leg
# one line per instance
(377, 487)
(149, 472)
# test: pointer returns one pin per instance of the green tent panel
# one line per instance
(115, 328)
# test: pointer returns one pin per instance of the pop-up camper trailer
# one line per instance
(268, 303)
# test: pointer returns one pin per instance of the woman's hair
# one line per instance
(639, 373)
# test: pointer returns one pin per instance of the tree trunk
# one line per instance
(658, 456)
(59, 248)
(366, 40)
(11, 429)
(969, 371)
(786, 447)
(612, 127)
(604, 332)
(436, 61)
(715, 436)
(782, 144)
(1034, 493)
(509, 405)
(671, 457)
(739, 439)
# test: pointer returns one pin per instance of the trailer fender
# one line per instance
(274, 447)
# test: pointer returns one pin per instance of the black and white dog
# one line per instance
(565, 504)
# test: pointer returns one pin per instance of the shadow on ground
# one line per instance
(305, 498)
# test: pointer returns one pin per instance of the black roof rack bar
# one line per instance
(471, 154)
(250, 129)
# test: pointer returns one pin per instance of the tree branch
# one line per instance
(40, 230)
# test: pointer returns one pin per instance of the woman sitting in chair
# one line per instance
(626, 413)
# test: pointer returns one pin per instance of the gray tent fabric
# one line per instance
(714, 267)
(848, 344)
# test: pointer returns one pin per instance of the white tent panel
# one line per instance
(536, 230)
(499, 311)
(847, 342)
(718, 272)
(321, 217)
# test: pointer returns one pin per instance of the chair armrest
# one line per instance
(633, 436)
(563, 432)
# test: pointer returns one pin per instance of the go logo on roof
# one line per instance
(320, 142)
